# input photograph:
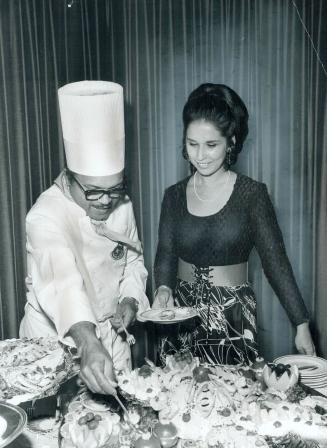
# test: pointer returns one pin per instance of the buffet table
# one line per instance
(182, 404)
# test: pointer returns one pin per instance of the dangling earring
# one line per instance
(228, 156)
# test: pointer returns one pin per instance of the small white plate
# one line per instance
(312, 365)
(179, 314)
(315, 377)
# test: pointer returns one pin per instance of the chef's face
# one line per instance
(97, 195)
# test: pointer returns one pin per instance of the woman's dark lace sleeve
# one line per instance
(165, 265)
(269, 243)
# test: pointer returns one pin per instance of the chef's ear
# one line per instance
(69, 175)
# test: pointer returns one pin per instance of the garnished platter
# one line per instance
(217, 405)
(33, 368)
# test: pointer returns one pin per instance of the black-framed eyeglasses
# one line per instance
(117, 192)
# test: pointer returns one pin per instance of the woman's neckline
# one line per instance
(227, 203)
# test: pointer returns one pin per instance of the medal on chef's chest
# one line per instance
(118, 252)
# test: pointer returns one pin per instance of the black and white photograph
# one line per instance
(163, 217)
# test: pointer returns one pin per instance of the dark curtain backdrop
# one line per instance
(159, 50)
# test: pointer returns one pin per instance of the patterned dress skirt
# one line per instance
(225, 331)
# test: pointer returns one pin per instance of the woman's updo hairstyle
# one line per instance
(220, 105)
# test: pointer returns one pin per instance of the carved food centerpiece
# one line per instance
(226, 406)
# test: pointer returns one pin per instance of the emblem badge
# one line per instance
(118, 252)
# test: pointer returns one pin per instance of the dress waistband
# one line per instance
(229, 275)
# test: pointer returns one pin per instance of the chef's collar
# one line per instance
(63, 184)
(99, 227)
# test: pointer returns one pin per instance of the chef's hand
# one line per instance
(97, 370)
(126, 313)
(303, 340)
(163, 298)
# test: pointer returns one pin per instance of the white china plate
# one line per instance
(159, 315)
(315, 383)
(312, 365)
(319, 376)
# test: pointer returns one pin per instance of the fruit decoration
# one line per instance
(296, 393)
(186, 417)
(280, 376)
(257, 368)
(279, 369)
(145, 371)
(201, 374)
(147, 440)
(166, 433)
(248, 373)
(90, 419)
(259, 363)
(164, 430)
(205, 399)
(182, 359)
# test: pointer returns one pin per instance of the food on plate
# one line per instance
(167, 314)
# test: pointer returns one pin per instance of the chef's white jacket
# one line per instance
(72, 275)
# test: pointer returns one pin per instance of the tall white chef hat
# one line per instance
(92, 119)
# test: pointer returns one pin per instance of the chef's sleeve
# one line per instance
(133, 283)
(56, 280)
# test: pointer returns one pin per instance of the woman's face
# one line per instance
(206, 147)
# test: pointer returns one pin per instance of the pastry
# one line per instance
(167, 314)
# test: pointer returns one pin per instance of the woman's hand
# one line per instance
(303, 340)
(163, 298)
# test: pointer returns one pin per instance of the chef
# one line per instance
(86, 277)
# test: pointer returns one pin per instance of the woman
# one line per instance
(209, 224)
